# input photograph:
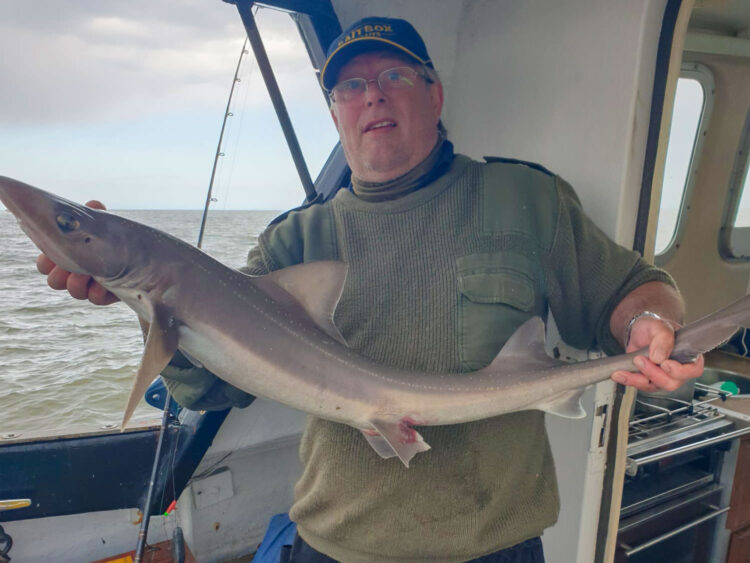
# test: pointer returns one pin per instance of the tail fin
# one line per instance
(711, 331)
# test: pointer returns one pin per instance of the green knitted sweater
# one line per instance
(438, 280)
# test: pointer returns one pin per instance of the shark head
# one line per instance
(75, 237)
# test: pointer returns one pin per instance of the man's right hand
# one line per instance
(79, 286)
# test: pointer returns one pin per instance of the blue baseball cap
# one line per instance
(371, 34)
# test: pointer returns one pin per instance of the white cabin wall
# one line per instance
(245, 478)
(518, 93)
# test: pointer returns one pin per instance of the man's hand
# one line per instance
(657, 371)
(78, 285)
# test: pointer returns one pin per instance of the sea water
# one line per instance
(66, 363)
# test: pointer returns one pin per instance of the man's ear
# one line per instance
(436, 96)
(334, 116)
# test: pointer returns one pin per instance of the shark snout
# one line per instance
(26, 202)
(11, 192)
(63, 230)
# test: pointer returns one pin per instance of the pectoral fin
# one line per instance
(396, 439)
(161, 344)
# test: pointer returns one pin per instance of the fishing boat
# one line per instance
(587, 88)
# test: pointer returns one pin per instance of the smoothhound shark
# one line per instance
(274, 335)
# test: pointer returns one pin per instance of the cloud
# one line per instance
(113, 60)
(123, 101)
(116, 26)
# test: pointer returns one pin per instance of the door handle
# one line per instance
(658, 539)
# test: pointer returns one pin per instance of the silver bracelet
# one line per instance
(642, 314)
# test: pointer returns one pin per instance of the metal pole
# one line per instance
(143, 532)
(244, 8)
(227, 114)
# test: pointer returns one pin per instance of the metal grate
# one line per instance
(672, 431)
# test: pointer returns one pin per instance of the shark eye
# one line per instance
(67, 223)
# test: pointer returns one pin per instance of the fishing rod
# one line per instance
(227, 115)
(143, 531)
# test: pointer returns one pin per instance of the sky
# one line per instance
(123, 102)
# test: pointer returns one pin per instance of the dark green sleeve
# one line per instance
(198, 389)
(587, 274)
(256, 265)
(304, 235)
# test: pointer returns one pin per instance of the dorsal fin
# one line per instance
(317, 288)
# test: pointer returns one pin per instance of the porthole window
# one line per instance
(689, 122)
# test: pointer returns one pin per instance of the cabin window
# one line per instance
(689, 122)
(735, 241)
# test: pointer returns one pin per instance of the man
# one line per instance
(447, 257)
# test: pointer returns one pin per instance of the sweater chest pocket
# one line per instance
(496, 295)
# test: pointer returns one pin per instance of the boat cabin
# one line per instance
(644, 107)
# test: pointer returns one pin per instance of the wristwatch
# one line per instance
(672, 324)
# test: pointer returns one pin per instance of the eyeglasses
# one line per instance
(390, 80)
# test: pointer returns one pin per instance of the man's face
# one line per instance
(384, 135)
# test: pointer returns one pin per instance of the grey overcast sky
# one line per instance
(123, 102)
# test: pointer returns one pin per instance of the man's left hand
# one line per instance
(657, 371)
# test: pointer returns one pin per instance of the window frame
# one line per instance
(737, 185)
(703, 75)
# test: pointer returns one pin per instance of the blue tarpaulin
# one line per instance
(280, 532)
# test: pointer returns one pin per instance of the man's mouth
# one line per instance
(381, 124)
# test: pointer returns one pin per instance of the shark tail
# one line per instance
(711, 331)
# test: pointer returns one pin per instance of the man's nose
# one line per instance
(373, 93)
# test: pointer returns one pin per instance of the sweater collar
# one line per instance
(430, 169)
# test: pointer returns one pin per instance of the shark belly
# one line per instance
(268, 369)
